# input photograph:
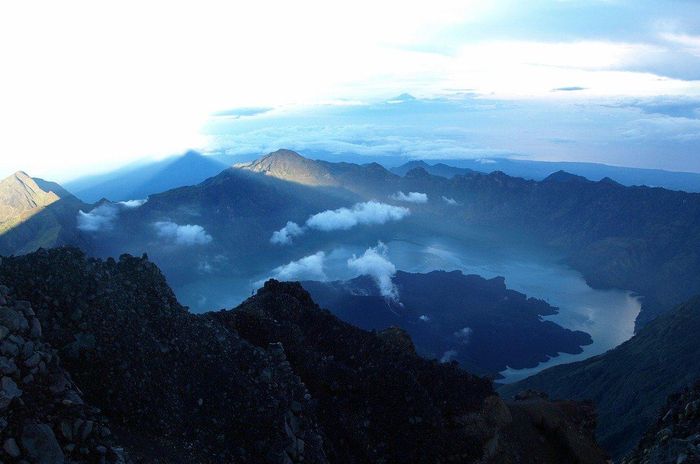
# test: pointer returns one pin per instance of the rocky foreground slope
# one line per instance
(675, 438)
(278, 380)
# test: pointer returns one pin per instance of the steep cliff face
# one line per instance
(277, 380)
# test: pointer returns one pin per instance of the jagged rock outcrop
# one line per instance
(178, 388)
(378, 401)
(43, 418)
(675, 438)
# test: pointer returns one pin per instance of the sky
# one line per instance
(88, 86)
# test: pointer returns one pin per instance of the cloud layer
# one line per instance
(188, 234)
(369, 212)
(411, 197)
(374, 263)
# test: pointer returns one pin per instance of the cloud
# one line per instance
(686, 107)
(571, 88)
(374, 263)
(448, 356)
(424, 318)
(450, 201)
(412, 197)
(464, 335)
(133, 203)
(188, 234)
(99, 218)
(236, 113)
(307, 268)
(285, 234)
(367, 213)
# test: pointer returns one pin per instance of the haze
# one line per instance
(88, 87)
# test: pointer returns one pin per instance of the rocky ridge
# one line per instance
(177, 387)
(43, 417)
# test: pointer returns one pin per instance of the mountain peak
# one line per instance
(418, 171)
(563, 176)
(284, 153)
(291, 166)
(609, 181)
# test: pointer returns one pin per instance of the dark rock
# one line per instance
(40, 443)
(8, 392)
(11, 448)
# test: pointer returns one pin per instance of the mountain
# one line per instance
(635, 238)
(563, 176)
(276, 380)
(140, 180)
(365, 179)
(630, 383)
(675, 435)
(291, 166)
(477, 322)
(219, 229)
(437, 169)
(539, 170)
(35, 213)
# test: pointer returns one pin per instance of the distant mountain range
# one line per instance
(636, 238)
(539, 170)
(630, 383)
(437, 169)
(450, 316)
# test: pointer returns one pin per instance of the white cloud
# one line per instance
(133, 203)
(374, 263)
(99, 218)
(450, 201)
(412, 197)
(307, 268)
(424, 318)
(448, 356)
(690, 43)
(367, 213)
(464, 335)
(188, 234)
(285, 234)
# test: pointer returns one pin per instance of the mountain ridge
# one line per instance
(630, 383)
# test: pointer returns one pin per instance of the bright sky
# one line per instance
(89, 85)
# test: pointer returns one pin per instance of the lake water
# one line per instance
(607, 315)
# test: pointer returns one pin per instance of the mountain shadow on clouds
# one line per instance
(140, 180)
